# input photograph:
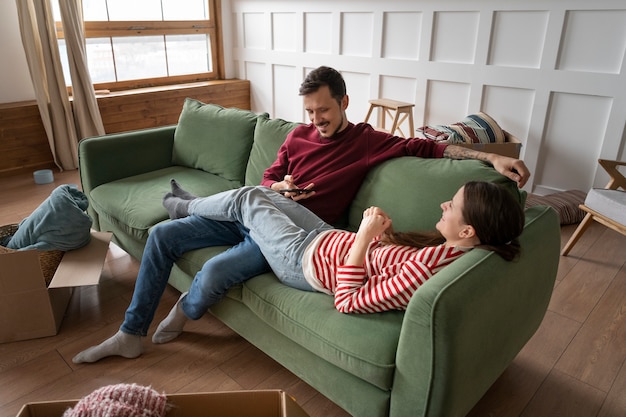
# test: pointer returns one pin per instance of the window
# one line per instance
(140, 43)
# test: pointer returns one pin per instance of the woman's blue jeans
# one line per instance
(168, 242)
(281, 228)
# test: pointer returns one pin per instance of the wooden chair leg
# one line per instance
(584, 224)
(382, 117)
(369, 113)
(401, 120)
(394, 123)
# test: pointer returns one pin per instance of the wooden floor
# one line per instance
(574, 366)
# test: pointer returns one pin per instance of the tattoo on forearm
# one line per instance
(460, 152)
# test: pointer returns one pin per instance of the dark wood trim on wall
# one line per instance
(23, 140)
(24, 145)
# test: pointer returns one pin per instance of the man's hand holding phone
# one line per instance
(290, 190)
(296, 190)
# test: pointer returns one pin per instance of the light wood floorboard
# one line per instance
(575, 365)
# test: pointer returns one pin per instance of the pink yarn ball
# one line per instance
(120, 400)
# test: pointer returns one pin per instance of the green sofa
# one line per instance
(438, 358)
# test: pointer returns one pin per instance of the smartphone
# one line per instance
(297, 190)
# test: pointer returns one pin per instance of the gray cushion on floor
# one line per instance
(611, 203)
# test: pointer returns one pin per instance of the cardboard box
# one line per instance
(264, 403)
(511, 147)
(28, 309)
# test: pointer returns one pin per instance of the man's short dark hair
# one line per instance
(324, 76)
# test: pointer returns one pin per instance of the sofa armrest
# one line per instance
(111, 157)
(466, 325)
(107, 158)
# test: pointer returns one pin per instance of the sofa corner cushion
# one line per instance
(214, 139)
(269, 135)
(412, 189)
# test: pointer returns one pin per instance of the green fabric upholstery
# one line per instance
(469, 321)
(269, 134)
(354, 394)
(345, 340)
(436, 359)
(214, 139)
(112, 157)
(423, 185)
(134, 204)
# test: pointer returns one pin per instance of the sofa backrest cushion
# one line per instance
(269, 134)
(214, 139)
(412, 189)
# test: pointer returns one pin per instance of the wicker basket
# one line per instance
(48, 260)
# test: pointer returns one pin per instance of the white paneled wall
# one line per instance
(551, 72)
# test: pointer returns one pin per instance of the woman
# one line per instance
(374, 269)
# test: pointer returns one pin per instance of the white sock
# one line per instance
(120, 344)
(172, 326)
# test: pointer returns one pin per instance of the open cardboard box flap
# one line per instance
(29, 309)
(82, 266)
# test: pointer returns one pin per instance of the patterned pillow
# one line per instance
(475, 128)
(565, 203)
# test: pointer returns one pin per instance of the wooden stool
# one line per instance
(398, 111)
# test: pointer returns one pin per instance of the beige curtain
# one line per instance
(86, 111)
(63, 126)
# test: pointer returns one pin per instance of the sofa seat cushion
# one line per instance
(135, 204)
(363, 345)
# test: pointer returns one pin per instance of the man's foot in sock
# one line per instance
(172, 326)
(120, 344)
(177, 207)
(178, 191)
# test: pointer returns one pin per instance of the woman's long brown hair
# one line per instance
(491, 209)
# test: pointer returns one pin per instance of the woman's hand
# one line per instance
(374, 223)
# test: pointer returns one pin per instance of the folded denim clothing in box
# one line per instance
(59, 223)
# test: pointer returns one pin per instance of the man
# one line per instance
(329, 158)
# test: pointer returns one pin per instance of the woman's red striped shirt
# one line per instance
(388, 279)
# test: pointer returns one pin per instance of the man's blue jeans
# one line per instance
(168, 242)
